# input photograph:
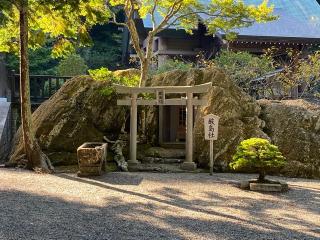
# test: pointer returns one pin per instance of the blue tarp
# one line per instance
(297, 19)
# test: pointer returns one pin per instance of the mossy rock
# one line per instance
(77, 113)
(238, 112)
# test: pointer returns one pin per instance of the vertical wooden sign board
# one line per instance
(211, 123)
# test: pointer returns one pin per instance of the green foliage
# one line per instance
(104, 74)
(72, 65)
(173, 64)
(285, 80)
(68, 22)
(242, 67)
(298, 70)
(41, 62)
(225, 15)
(308, 72)
(258, 154)
(106, 49)
(218, 15)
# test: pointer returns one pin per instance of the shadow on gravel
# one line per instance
(118, 178)
(30, 216)
(258, 208)
(257, 226)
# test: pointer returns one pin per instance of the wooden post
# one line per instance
(211, 124)
(133, 130)
(211, 157)
(188, 163)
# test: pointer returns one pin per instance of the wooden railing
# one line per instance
(42, 87)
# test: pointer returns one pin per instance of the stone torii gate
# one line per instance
(161, 100)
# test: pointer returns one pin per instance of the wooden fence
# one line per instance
(42, 87)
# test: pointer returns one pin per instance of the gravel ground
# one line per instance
(153, 206)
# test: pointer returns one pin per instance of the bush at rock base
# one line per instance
(258, 154)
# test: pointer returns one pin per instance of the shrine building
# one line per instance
(297, 27)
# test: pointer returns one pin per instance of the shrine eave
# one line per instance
(275, 39)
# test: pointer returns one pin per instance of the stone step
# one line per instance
(169, 153)
(173, 145)
(159, 167)
(161, 160)
(4, 111)
(5, 130)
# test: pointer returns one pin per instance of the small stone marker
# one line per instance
(211, 123)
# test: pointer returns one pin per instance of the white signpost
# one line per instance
(211, 123)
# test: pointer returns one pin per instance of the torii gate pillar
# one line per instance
(188, 164)
(133, 130)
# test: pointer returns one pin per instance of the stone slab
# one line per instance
(159, 152)
(189, 166)
(161, 168)
(266, 187)
(161, 160)
(133, 162)
(245, 184)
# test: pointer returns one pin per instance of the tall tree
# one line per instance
(217, 15)
(28, 23)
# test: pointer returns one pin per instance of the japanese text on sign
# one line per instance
(211, 123)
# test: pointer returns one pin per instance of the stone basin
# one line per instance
(91, 157)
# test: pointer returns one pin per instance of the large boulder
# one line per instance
(238, 112)
(294, 126)
(79, 112)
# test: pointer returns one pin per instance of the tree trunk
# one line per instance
(36, 159)
(145, 62)
(143, 79)
(144, 72)
(261, 177)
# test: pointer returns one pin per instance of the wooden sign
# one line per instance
(211, 123)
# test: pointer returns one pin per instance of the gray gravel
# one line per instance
(153, 206)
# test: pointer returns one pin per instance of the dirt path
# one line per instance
(153, 206)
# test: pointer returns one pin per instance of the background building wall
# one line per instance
(3, 77)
